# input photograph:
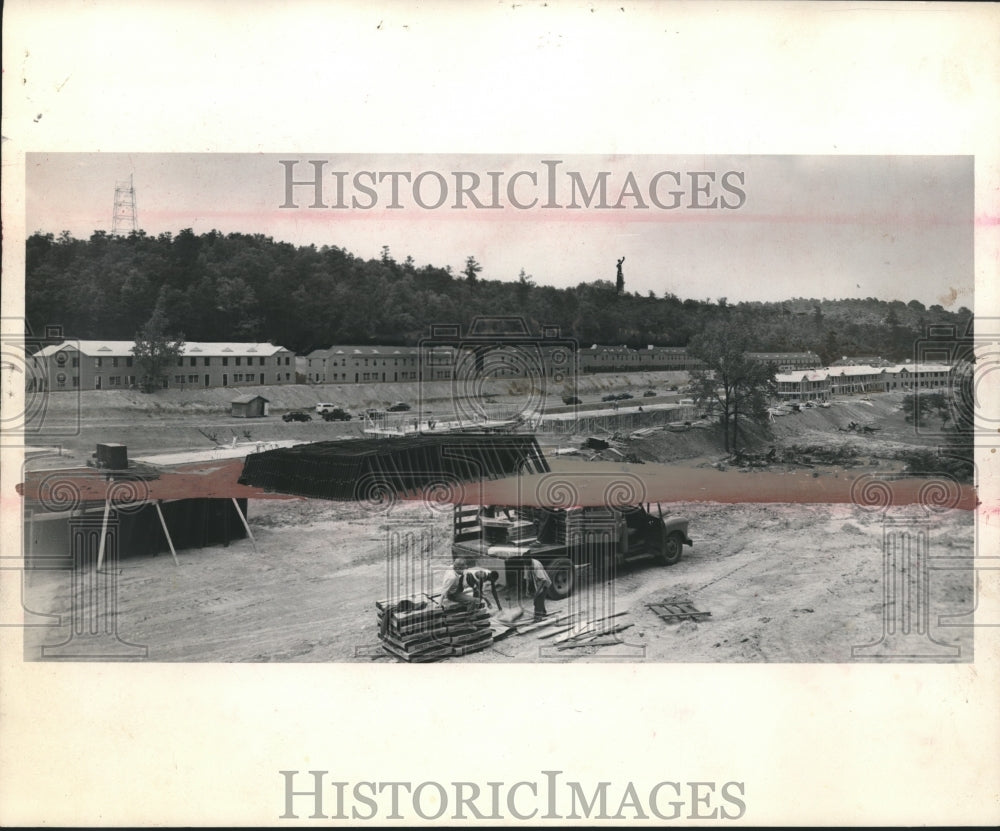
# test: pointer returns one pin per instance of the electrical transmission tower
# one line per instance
(125, 219)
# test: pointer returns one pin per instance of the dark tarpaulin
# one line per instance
(365, 469)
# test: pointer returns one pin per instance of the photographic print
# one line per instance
(360, 408)
(542, 413)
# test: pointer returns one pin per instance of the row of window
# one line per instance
(113, 381)
(238, 378)
(114, 363)
(374, 361)
(317, 378)
(61, 380)
(238, 361)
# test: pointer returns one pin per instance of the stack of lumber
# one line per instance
(363, 469)
(418, 630)
(521, 531)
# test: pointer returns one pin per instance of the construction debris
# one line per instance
(855, 427)
(582, 627)
(674, 610)
(600, 638)
(644, 432)
(569, 630)
(544, 623)
(799, 455)
(417, 629)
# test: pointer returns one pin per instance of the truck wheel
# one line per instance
(672, 548)
(561, 573)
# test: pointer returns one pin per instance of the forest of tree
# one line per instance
(217, 287)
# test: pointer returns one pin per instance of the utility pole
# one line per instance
(125, 219)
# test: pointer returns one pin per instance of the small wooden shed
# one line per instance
(250, 406)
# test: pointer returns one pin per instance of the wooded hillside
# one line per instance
(216, 287)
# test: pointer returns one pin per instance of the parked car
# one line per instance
(399, 407)
(624, 396)
(571, 399)
(649, 394)
(325, 407)
(297, 416)
(337, 414)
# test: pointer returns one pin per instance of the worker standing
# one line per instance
(540, 583)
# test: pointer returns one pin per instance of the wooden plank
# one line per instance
(587, 628)
(458, 651)
(588, 640)
(587, 643)
(411, 650)
(541, 624)
(418, 598)
(585, 623)
(501, 631)
(472, 637)
(426, 657)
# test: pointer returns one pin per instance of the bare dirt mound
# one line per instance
(667, 446)
(850, 433)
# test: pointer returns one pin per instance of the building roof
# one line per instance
(897, 368)
(246, 399)
(370, 351)
(861, 360)
(802, 375)
(855, 371)
(119, 348)
(780, 355)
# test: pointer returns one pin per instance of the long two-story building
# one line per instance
(98, 365)
(379, 364)
(392, 364)
(676, 358)
(822, 384)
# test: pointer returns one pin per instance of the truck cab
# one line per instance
(572, 543)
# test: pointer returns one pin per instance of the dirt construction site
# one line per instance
(773, 575)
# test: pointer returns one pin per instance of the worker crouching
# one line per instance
(453, 586)
(477, 578)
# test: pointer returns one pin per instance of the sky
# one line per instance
(891, 227)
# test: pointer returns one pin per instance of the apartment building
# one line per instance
(97, 365)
